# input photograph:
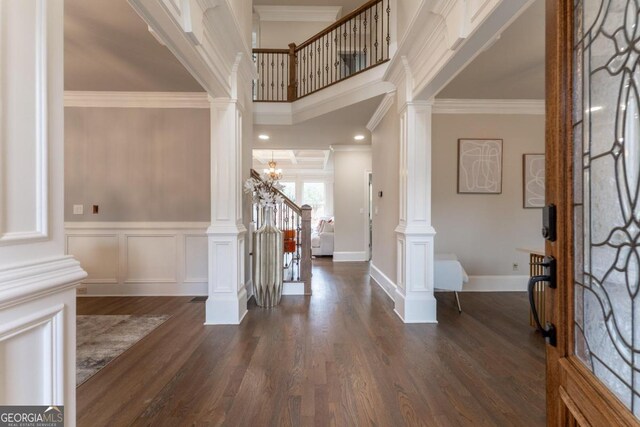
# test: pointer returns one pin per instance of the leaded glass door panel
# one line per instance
(593, 176)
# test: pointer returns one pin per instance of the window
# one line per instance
(314, 195)
(289, 190)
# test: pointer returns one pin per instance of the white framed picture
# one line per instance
(479, 166)
(533, 181)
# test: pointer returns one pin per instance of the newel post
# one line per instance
(305, 262)
(291, 88)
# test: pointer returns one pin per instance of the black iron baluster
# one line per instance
(388, 20)
(375, 43)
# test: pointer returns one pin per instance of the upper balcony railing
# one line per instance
(357, 42)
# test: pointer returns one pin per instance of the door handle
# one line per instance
(549, 330)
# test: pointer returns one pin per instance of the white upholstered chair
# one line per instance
(449, 274)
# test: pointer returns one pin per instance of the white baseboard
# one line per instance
(381, 279)
(142, 290)
(349, 256)
(496, 284)
(293, 288)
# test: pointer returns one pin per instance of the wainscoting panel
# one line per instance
(168, 258)
(151, 258)
(35, 344)
(195, 249)
(98, 254)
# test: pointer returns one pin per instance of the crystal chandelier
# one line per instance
(272, 172)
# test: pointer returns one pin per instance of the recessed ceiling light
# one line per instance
(358, 137)
(263, 137)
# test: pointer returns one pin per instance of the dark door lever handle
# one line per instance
(549, 330)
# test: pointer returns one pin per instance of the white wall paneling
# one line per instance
(24, 141)
(140, 258)
(37, 281)
(38, 336)
(227, 302)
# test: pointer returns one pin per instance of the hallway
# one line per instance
(341, 357)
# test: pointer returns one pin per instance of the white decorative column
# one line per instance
(414, 300)
(37, 280)
(227, 302)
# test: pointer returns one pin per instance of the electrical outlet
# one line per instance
(78, 209)
(516, 267)
(81, 290)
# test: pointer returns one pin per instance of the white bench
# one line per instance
(449, 274)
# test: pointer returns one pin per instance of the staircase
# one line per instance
(295, 223)
(355, 43)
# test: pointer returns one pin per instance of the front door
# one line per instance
(593, 178)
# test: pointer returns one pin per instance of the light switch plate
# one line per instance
(78, 209)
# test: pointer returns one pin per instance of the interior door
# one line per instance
(593, 169)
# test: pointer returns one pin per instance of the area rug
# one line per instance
(100, 339)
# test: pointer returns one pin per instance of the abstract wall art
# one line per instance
(479, 166)
(533, 180)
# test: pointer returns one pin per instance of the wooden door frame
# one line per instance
(573, 392)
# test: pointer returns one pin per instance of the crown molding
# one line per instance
(136, 99)
(489, 106)
(298, 13)
(350, 147)
(381, 111)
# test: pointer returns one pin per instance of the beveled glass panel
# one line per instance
(606, 144)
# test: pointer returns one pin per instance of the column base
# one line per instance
(226, 309)
(414, 308)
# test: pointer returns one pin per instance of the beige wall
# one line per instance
(137, 164)
(349, 198)
(485, 230)
(278, 35)
(385, 155)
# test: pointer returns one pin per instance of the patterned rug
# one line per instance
(100, 339)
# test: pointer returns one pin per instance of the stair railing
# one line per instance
(295, 223)
(355, 43)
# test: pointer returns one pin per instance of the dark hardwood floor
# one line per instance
(341, 357)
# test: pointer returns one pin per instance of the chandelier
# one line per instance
(272, 172)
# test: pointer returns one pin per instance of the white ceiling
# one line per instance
(512, 68)
(107, 47)
(291, 161)
(335, 128)
(347, 5)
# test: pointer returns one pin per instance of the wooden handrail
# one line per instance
(287, 201)
(267, 50)
(338, 23)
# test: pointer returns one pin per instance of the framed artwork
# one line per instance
(532, 181)
(479, 166)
